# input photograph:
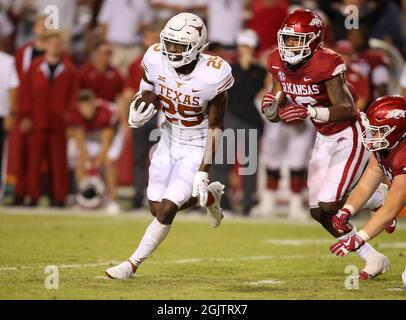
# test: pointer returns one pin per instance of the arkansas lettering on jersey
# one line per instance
(306, 86)
(185, 97)
(392, 162)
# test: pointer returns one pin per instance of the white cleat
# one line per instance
(214, 211)
(376, 264)
(124, 270)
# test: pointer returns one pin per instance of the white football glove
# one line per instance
(200, 184)
(137, 118)
(269, 105)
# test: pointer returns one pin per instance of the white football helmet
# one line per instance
(186, 31)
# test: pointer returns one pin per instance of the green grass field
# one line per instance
(243, 259)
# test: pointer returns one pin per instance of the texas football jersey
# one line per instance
(185, 98)
(306, 86)
(392, 162)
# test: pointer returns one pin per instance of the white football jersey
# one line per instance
(185, 97)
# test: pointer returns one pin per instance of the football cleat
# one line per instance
(124, 270)
(377, 264)
(214, 211)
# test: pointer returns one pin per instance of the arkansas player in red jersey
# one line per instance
(95, 140)
(384, 135)
(309, 82)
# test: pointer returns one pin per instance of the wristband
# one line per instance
(364, 235)
(321, 114)
(350, 208)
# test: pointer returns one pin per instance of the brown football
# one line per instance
(148, 97)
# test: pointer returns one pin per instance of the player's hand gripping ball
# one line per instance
(143, 107)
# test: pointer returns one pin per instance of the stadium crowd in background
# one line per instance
(93, 63)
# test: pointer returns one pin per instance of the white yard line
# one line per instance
(266, 281)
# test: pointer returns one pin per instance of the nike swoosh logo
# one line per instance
(196, 90)
(348, 242)
(307, 79)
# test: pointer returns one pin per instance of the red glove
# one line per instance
(341, 221)
(343, 247)
(293, 112)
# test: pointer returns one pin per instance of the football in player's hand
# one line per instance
(147, 97)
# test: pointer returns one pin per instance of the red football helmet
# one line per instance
(307, 27)
(385, 123)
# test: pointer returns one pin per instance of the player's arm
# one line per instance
(367, 185)
(78, 136)
(394, 203)
(215, 111)
(137, 117)
(342, 104)
(106, 139)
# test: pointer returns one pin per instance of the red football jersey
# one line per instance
(306, 86)
(392, 162)
(103, 118)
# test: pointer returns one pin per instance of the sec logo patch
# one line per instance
(281, 76)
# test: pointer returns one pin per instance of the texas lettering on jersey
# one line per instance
(307, 85)
(185, 97)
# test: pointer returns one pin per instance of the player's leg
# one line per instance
(58, 167)
(346, 165)
(299, 145)
(248, 170)
(37, 142)
(155, 233)
(273, 152)
(162, 209)
(177, 192)
(317, 170)
(21, 149)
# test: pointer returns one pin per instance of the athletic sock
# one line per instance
(154, 235)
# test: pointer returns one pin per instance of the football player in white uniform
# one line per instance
(192, 87)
